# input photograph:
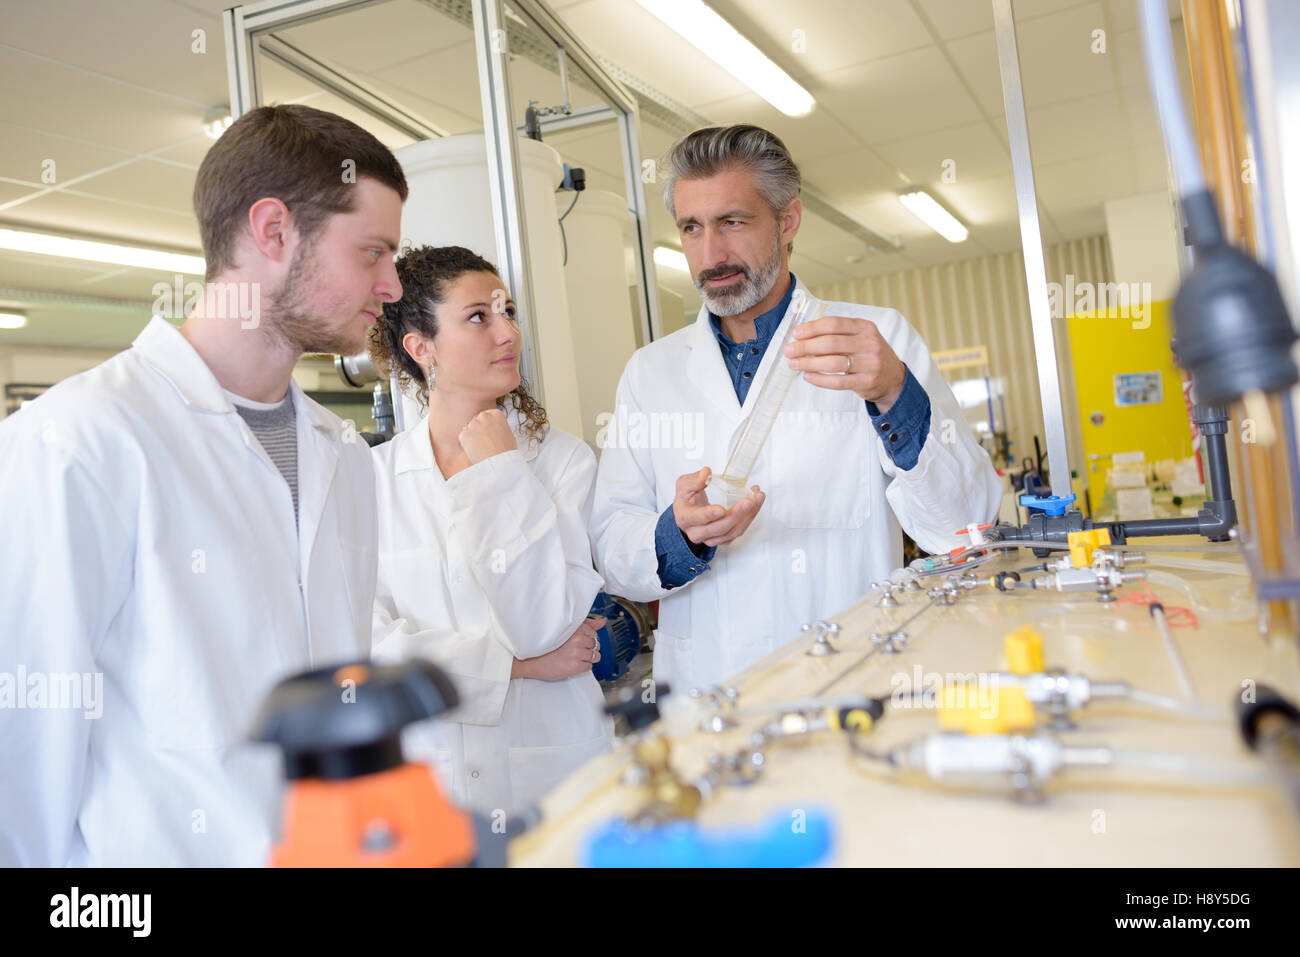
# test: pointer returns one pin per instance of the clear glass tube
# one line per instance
(733, 484)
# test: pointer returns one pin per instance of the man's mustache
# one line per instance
(720, 271)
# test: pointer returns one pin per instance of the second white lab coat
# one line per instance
(491, 565)
(830, 524)
(150, 550)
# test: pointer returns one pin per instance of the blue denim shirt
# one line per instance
(902, 429)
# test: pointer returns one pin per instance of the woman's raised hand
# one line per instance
(486, 435)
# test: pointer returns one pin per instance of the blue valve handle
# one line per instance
(1051, 504)
(794, 838)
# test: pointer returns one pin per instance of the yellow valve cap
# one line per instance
(1082, 545)
(982, 709)
(851, 719)
(1024, 650)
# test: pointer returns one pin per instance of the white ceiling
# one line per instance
(115, 95)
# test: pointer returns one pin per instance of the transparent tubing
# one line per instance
(1239, 613)
(733, 484)
(1200, 565)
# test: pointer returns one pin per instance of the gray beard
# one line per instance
(749, 292)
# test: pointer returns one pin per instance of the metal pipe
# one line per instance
(1171, 649)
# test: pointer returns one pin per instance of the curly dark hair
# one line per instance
(426, 272)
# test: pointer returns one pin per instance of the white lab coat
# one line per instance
(491, 565)
(830, 524)
(151, 541)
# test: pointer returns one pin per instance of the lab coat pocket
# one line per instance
(536, 771)
(818, 469)
(424, 743)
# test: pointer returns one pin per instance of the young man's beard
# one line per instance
(748, 292)
(296, 322)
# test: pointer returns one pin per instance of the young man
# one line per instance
(184, 527)
(869, 437)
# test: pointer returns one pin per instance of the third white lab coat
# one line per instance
(830, 524)
(491, 565)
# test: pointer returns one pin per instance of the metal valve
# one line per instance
(821, 647)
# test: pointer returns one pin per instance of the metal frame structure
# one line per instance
(1031, 240)
(624, 107)
(249, 29)
(505, 179)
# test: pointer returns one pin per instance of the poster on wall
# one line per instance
(1138, 388)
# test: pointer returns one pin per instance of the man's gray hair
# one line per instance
(717, 149)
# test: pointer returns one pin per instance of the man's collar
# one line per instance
(176, 360)
(764, 326)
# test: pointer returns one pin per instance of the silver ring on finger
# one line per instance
(595, 652)
(848, 364)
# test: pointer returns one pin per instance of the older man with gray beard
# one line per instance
(870, 436)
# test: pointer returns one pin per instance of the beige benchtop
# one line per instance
(1095, 816)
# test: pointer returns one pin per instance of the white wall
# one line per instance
(1144, 244)
(45, 365)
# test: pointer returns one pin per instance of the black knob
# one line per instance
(1267, 702)
(636, 710)
(346, 720)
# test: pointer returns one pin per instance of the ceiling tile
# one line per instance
(23, 153)
(109, 115)
(623, 31)
(819, 133)
(1074, 186)
(980, 202)
(149, 46)
(145, 183)
(901, 96)
(1082, 127)
(835, 33)
(114, 222)
(448, 78)
(973, 149)
(378, 36)
(976, 57)
(1056, 58)
(850, 172)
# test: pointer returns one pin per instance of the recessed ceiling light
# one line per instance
(97, 252)
(927, 209)
(724, 44)
(12, 320)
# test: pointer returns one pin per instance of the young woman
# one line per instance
(484, 561)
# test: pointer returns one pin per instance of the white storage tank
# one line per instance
(599, 235)
(450, 205)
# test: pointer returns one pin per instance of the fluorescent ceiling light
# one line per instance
(12, 320)
(722, 43)
(671, 259)
(927, 209)
(96, 252)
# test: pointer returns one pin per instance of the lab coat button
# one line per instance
(473, 774)
(460, 579)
